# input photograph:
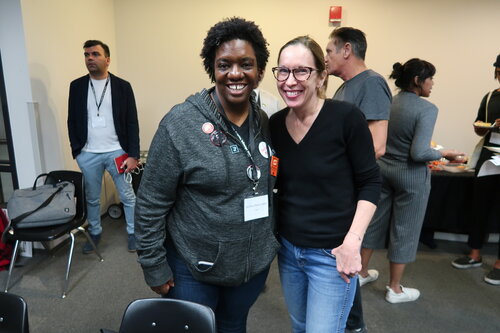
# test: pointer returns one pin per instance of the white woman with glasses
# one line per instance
(204, 223)
(327, 190)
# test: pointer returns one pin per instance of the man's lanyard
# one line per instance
(102, 95)
(253, 171)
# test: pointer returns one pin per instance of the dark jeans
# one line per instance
(230, 304)
(486, 198)
(355, 319)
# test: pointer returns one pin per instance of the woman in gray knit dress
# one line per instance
(405, 176)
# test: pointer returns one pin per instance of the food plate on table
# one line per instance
(456, 167)
(450, 166)
(482, 124)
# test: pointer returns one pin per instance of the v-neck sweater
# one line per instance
(321, 178)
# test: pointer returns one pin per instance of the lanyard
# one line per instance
(253, 171)
(102, 95)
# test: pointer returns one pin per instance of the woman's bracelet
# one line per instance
(355, 234)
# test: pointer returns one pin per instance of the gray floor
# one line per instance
(451, 301)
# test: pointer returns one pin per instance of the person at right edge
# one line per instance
(486, 189)
(368, 90)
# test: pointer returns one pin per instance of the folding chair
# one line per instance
(44, 234)
(13, 314)
(165, 315)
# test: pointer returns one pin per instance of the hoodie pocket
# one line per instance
(218, 262)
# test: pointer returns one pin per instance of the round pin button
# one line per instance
(218, 138)
(207, 128)
(263, 149)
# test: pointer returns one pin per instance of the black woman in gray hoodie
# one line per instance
(204, 223)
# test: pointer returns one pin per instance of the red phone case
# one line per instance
(119, 161)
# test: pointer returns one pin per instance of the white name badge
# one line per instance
(98, 122)
(495, 138)
(256, 207)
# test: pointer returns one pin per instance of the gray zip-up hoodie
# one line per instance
(193, 190)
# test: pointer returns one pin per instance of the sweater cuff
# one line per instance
(157, 275)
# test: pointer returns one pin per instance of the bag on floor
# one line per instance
(42, 206)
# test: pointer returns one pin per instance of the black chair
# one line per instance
(165, 315)
(45, 234)
(13, 314)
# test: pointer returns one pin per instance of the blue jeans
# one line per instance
(93, 166)
(230, 304)
(317, 298)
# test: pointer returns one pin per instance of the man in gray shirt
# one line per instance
(368, 90)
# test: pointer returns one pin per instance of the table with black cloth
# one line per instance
(450, 206)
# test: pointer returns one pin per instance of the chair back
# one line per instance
(13, 314)
(77, 179)
(155, 315)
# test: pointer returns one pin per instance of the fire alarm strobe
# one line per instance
(335, 13)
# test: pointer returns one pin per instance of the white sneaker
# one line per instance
(408, 295)
(372, 276)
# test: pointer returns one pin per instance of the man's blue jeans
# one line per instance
(230, 304)
(93, 166)
(318, 299)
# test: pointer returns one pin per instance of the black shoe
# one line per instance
(87, 247)
(493, 277)
(466, 262)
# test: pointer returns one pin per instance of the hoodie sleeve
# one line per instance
(155, 198)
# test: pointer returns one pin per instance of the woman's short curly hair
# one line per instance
(228, 30)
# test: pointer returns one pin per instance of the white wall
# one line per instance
(55, 31)
(18, 92)
(158, 44)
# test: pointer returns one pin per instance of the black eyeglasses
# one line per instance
(300, 74)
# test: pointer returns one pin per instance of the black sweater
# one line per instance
(321, 179)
